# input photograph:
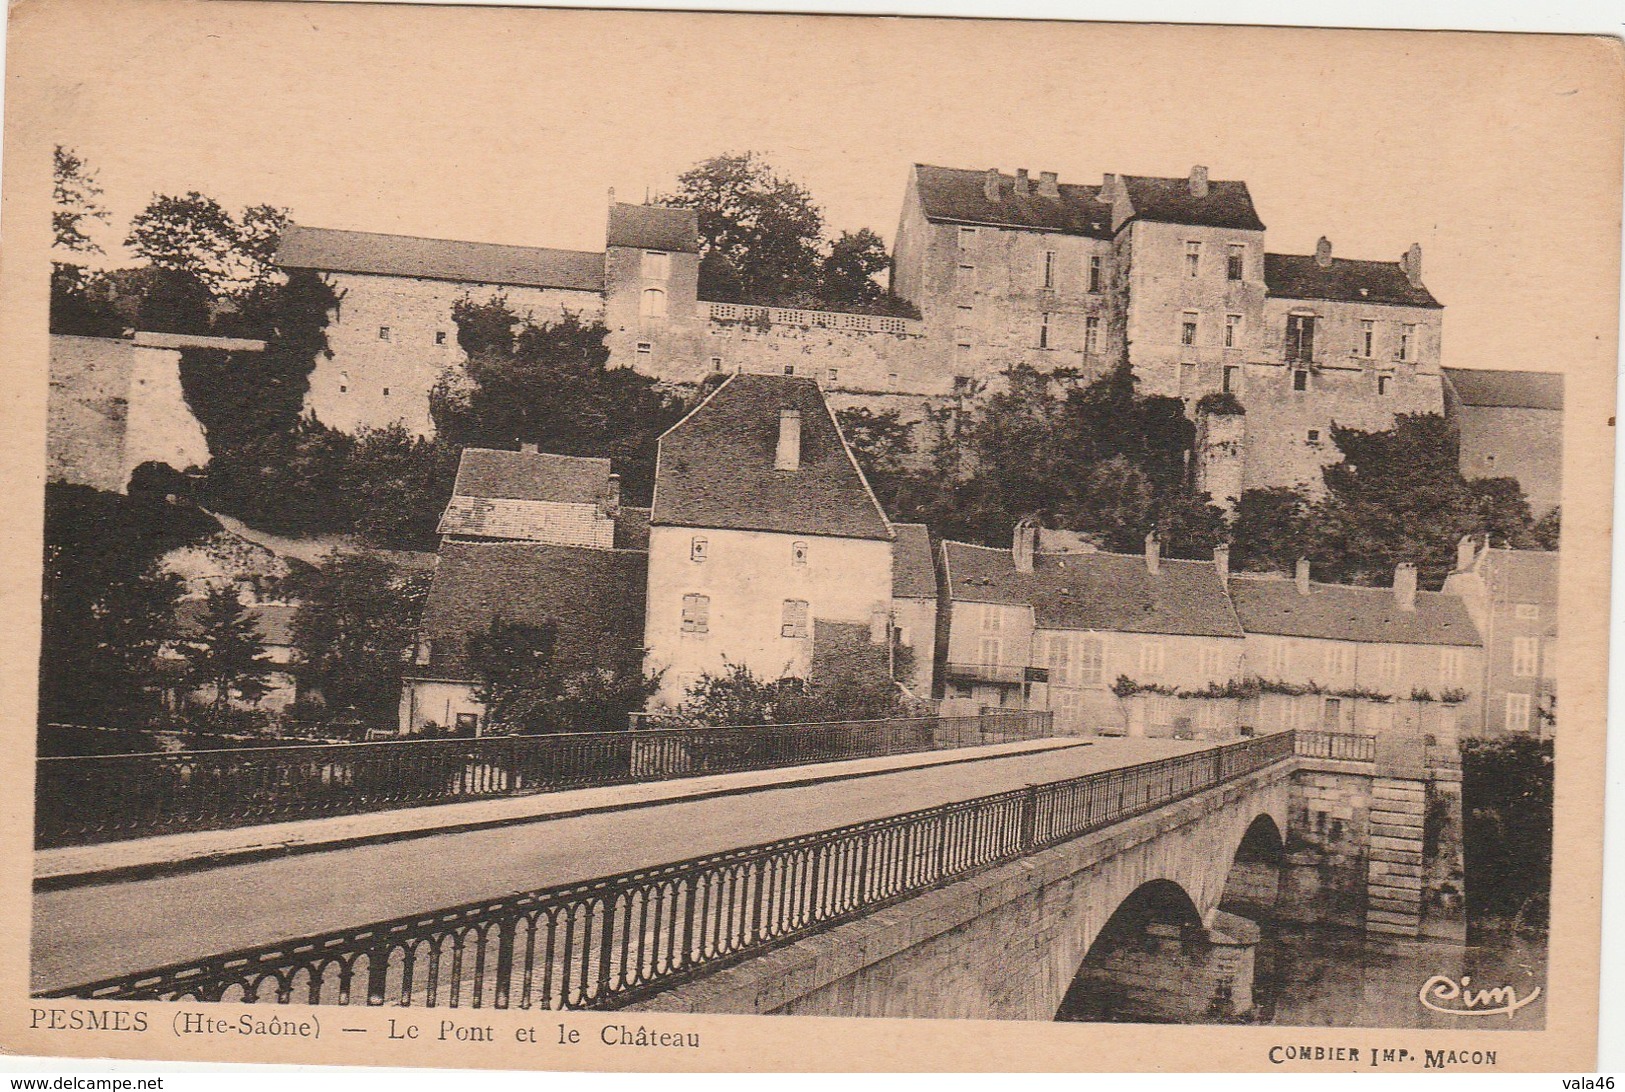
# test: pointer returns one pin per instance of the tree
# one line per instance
(398, 485)
(513, 662)
(735, 696)
(1273, 528)
(761, 235)
(881, 442)
(226, 654)
(357, 616)
(76, 203)
(847, 273)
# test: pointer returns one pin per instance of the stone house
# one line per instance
(1510, 425)
(1512, 597)
(763, 531)
(1336, 658)
(1052, 623)
(532, 496)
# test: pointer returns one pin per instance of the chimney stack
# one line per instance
(1411, 263)
(1466, 553)
(1198, 181)
(1303, 576)
(527, 449)
(1049, 184)
(1108, 188)
(990, 184)
(1024, 185)
(788, 456)
(1153, 553)
(1221, 561)
(612, 496)
(1323, 253)
(1405, 586)
(1024, 543)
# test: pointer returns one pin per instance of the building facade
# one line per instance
(1512, 597)
(1510, 425)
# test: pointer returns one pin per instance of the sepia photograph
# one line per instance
(545, 513)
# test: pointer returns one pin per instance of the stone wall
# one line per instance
(1514, 442)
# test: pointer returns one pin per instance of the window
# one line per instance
(1339, 661)
(383, 333)
(1388, 663)
(798, 553)
(1407, 341)
(1527, 612)
(1092, 661)
(654, 303)
(1300, 379)
(1368, 337)
(1049, 269)
(1091, 334)
(1212, 663)
(1233, 265)
(964, 313)
(834, 374)
(440, 337)
(789, 369)
(1517, 713)
(698, 549)
(1449, 665)
(1385, 383)
(1095, 271)
(1313, 436)
(1232, 331)
(344, 382)
(1526, 657)
(468, 724)
(967, 272)
(1151, 659)
(656, 265)
(967, 238)
(891, 381)
(1060, 661)
(1193, 258)
(1332, 714)
(1280, 658)
(696, 614)
(716, 363)
(1300, 338)
(794, 623)
(1044, 330)
(992, 620)
(646, 350)
(1231, 375)
(386, 392)
(1187, 328)
(989, 650)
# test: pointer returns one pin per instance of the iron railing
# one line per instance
(609, 942)
(100, 798)
(1342, 746)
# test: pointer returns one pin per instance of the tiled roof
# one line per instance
(952, 194)
(1523, 576)
(715, 466)
(1100, 592)
(913, 575)
(531, 476)
(1523, 390)
(439, 259)
(534, 521)
(594, 597)
(652, 227)
(1338, 612)
(1169, 201)
(1301, 277)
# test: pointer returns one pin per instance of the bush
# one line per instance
(1507, 828)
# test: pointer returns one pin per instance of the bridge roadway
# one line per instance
(82, 934)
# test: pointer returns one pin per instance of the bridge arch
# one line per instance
(1252, 883)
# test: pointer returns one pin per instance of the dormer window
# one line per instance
(698, 549)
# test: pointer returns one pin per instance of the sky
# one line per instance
(512, 126)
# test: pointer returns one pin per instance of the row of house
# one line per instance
(765, 547)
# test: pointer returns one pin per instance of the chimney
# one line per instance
(788, 456)
(1411, 263)
(1323, 253)
(612, 496)
(1024, 186)
(1049, 184)
(1466, 553)
(1023, 544)
(1221, 561)
(1108, 188)
(1153, 553)
(1303, 576)
(1405, 586)
(527, 449)
(990, 184)
(1198, 181)
(612, 197)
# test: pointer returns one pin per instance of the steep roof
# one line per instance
(1170, 201)
(1523, 390)
(335, 251)
(956, 195)
(1301, 277)
(913, 575)
(654, 227)
(715, 466)
(1338, 612)
(531, 476)
(1100, 592)
(595, 598)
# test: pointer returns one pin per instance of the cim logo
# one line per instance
(1441, 993)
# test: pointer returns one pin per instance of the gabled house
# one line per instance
(1512, 598)
(763, 530)
(532, 496)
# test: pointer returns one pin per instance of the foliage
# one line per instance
(513, 662)
(847, 272)
(1507, 827)
(1220, 403)
(596, 700)
(551, 385)
(81, 303)
(226, 654)
(106, 607)
(1548, 531)
(397, 485)
(293, 482)
(357, 616)
(75, 203)
(197, 237)
(737, 697)
(881, 442)
(1273, 529)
